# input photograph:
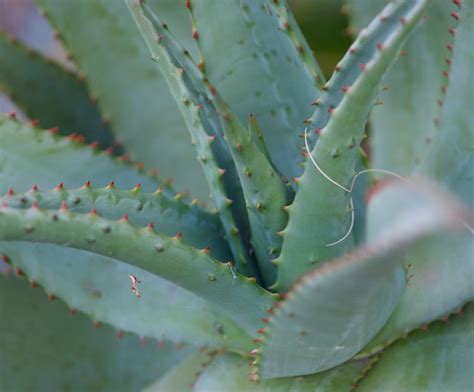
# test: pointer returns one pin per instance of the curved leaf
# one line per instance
(318, 199)
(164, 256)
(183, 376)
(258, 70)
(100, 288)
(203, 123)
(47, 92)
(29, 156)
(130, 91)
(442, 271)
(441, 279)
(265, 193)
(43, 348)
(403, 126)
(450, 159)
(169, 216)
(339, 307)
(230, 373)
(439, 359)
(289, 25)
(96, 285)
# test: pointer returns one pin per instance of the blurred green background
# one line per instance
(325, 27)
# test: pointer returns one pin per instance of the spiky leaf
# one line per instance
(230, 373)
(440, 279)
(339, 307)
(100, 287)
(185, 82)
(404, 124)
(50, 94)
(436, 288)
(169, 215)
(336, 152)
(183, 376)
(129, 89)
(96, 282)
(44, 348)
(52, 159)
(450, 159)
(259, 70)
(167, 257)
(265, 193)
(439, 359)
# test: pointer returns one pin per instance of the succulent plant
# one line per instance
(310, 268)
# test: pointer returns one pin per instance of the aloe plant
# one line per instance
(310, 267)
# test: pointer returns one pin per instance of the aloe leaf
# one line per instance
(167, 257)
(182, 376)
(100, 287)
(450, 159)
(107, 48)
(403, 126)
(336, 152)
(48, 93)
(258, 70)
(359, 198)
(207, 139)
(439, 359)
(96, 284)
(436, 288)
(369, 42)
(346, 73)
(43, 348)
(265, 193)
(52, 159)
(96, 280)
(338, 308)
(258, 139)
(441, 279)
(289, 25)
(169, 215)
(14, 137)
(230, 373)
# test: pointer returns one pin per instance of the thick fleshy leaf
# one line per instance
(95, 282)
(359, 199)
(185, 82)
(130, 91)
(324, 197)
(339, 307)
(259, 70)
(29, 156)
(266, 195)
(230, 373)
(441, 279)
(257, 136)
(264, 192)
(183, 376)
(168, 215)
(403, 126)
(43, 348)
(442, 269)
(439, 359)
(48, 93)
(167, 257)
(101, 288)
(289, 25)
(450, 160)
